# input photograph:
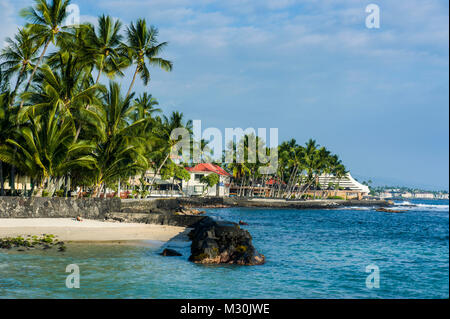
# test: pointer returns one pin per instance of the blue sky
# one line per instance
(377, 97)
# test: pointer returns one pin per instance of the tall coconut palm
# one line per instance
(163, 132)
(18, 58)
(337, 169)
(298, 163)
(103, 44)
(142, 45)
(46, 25)
(120, 153)
(67, 89)
(145, 106)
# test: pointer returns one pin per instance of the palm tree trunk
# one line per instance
(77, 134)
(68, 186)
(292, 183)
(132, 82)
(2, 181)
(32, 182)
(288, 186)
(26, 89)
(99, 73)
(280, 179)
(13, 95)
(240, 186)
(306, 188)
(97, 190)
(35, 69)
(159, 168)
(12, 179)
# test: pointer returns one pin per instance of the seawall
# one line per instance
(152, 211)
(160, 211)
(55, 207)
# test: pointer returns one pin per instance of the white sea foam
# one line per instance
(422, 207)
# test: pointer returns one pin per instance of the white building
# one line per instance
(347, 183)
(386, 195)
(194, 187)
(424, 195)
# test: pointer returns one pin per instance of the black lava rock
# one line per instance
(222, 242)
(170, 252)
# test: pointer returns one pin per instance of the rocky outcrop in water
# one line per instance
(170, 252)
(189, 211)
(222, 242)
(29, 242)
(387, 210)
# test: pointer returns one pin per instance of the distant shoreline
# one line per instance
(293, 204)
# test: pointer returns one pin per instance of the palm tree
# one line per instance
(142, 44)
(19, 58)
(163, 132)
(7, 127)
(46, 149)
(145, 106)
(120, 153)
(46, 19)
(204, 150)
(298, 163)
(68, 90)
(238, 167)
(103, 45)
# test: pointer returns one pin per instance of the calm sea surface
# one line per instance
(310, 254)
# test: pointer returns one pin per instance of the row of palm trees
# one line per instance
(298, 169)
(60, 125)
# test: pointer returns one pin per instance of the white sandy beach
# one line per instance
(87, 230)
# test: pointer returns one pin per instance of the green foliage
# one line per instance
(335, 197)
(60, 193)
(210, 180)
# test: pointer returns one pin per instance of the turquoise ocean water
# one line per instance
(310, 254)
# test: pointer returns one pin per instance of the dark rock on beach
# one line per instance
(222, 242)
(387, 210)
(189, 211)
(170, 252)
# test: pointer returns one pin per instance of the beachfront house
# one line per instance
(194, 187)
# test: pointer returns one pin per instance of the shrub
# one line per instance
(335, 197)
(60, 193)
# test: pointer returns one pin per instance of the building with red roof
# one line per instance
(194, 187)
(208, 167)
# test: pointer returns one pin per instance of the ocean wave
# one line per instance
(353, 208)
(422, 207)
